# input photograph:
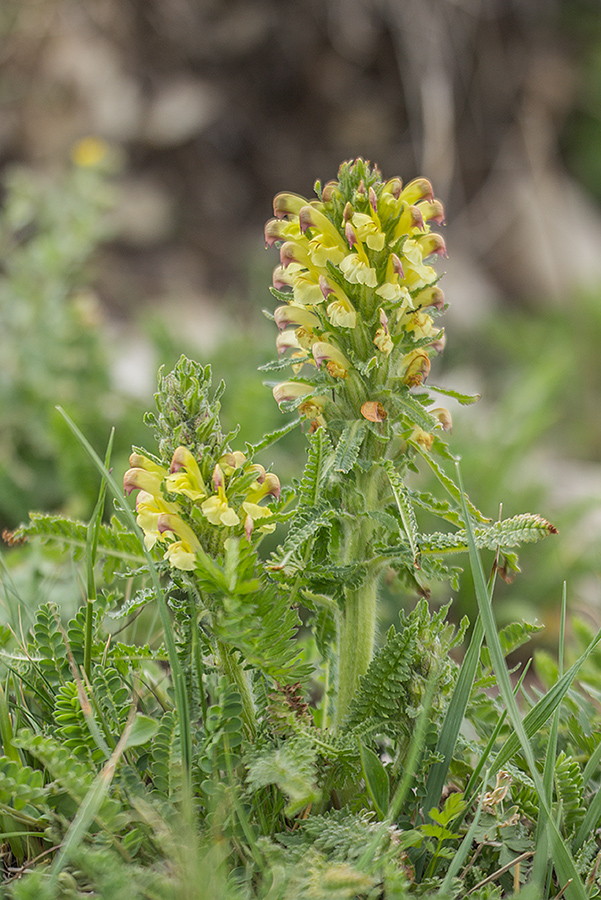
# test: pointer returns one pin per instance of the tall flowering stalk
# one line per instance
(358, 307)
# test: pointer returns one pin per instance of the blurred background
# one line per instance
(121, 252)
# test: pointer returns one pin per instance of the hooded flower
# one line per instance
(216, 508)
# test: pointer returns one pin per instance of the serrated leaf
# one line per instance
(347, 448)
(271, 438)
(405, 509)
(463, 399)
(449, 484)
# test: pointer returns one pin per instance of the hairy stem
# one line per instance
(356, 642)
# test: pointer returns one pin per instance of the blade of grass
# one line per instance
(491, 742)
(540, 866)
(90, 806)
(91, 551)
(181, 697)
(541, 711)
(453, 718)
(562, 860)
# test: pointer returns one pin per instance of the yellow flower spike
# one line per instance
(184, 476)
(336, 362)
(417, 367)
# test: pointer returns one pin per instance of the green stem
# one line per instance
(236, 675)
(356, 642)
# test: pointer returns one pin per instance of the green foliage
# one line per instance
(260, 742)
(52, 346)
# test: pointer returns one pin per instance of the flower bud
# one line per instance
(329, 190)
(218, 477)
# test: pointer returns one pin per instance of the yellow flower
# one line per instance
(218, 512)
(417, 367)
(336, 362)
(341, 313)
(185, 477)
(216, 508)
(358, 270)
(254, 512)
(421, 437)
(181, 556)
(89, 152)
(368, 231)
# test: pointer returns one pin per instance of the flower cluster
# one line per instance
(184, 511)
(358, 297)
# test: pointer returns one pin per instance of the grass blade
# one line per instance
(562, 859)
